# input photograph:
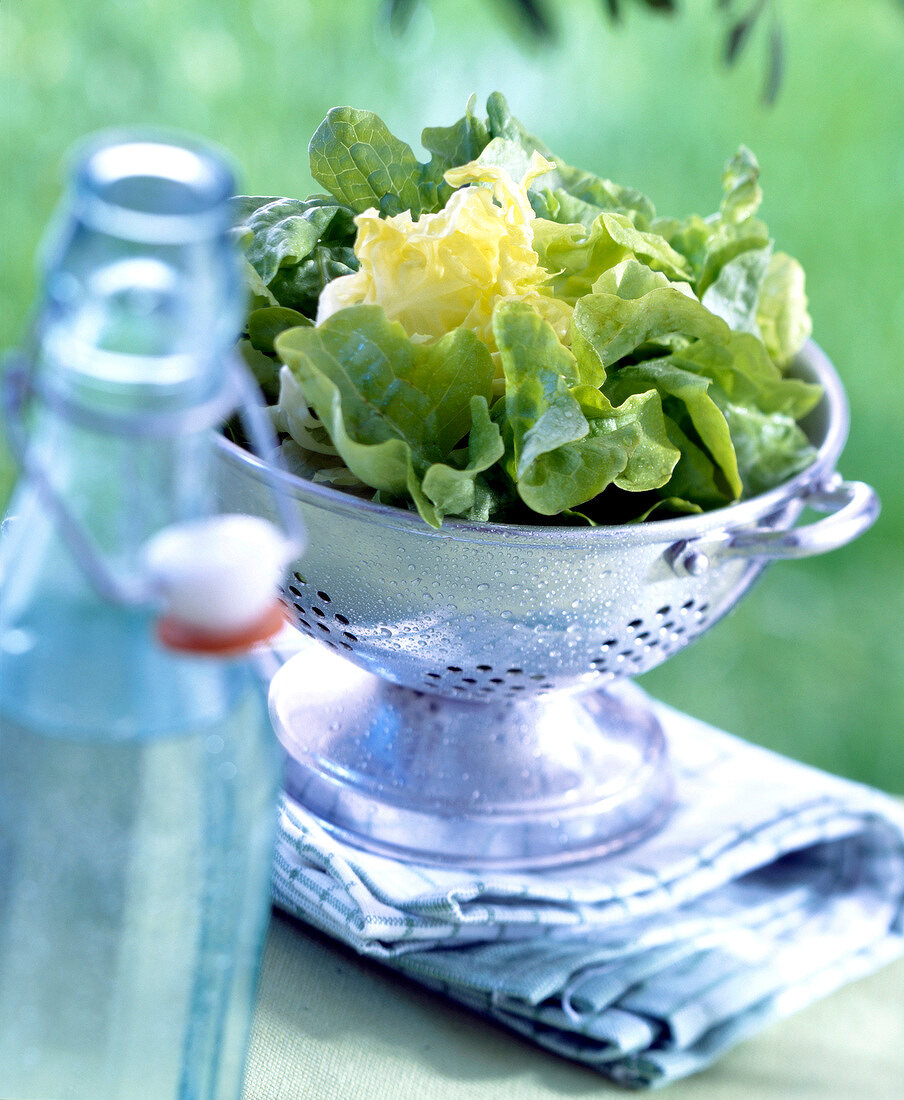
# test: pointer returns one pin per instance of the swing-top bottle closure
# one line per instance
(130, 360)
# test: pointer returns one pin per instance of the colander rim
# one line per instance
(811, 363)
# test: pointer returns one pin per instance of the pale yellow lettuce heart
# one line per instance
(449, 269)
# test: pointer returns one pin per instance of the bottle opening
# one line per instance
(151, 178)
(154, 191)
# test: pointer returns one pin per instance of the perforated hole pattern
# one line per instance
(313, 615)
(642, 644)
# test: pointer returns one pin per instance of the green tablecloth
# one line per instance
(333, 1026)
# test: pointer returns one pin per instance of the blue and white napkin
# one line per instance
(771, 884)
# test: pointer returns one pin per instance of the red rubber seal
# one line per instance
(184, 638)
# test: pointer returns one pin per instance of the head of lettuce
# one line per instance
(523, 341)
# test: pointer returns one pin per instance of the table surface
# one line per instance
(331, 1025)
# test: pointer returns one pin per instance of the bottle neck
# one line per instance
(142, 300)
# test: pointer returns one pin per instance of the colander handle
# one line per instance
(853, 505)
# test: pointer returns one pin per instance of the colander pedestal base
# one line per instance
(505, 785)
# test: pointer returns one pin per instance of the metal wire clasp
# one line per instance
(237, 394)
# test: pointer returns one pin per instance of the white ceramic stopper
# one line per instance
(219, 574)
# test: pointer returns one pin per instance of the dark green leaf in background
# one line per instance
(264, 325)
(294, 247)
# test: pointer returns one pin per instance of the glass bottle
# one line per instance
(138, 779)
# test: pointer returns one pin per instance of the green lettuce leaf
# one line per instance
(710, 369)
(770, 447)
(711, 243)
(264, 368)
(628, 280)
(567, 441)
(684, 395)
(728, 241)
(259, 294)
(501, 123)
(616, 327)
(293, 248)
(577, 257)
(279, 233)
(781, 311)
(734, 295)
(541, 413)
(652, 456)
(559, 206)
(696, 477)
(394, 409)
(264, 325)
(632, 279)
(354, 155)
(257, 348)
(609, 328)
(619, 449)
(301, 285)
(451, 146)
(553, 192)
(455, 489)
(742, 193)
(549, 194)
(744, 372)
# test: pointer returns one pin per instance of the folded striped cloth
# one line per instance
(771, 884)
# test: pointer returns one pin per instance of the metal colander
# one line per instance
(503, 614)
(482, 610)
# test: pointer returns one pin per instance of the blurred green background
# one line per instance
(812, 662)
